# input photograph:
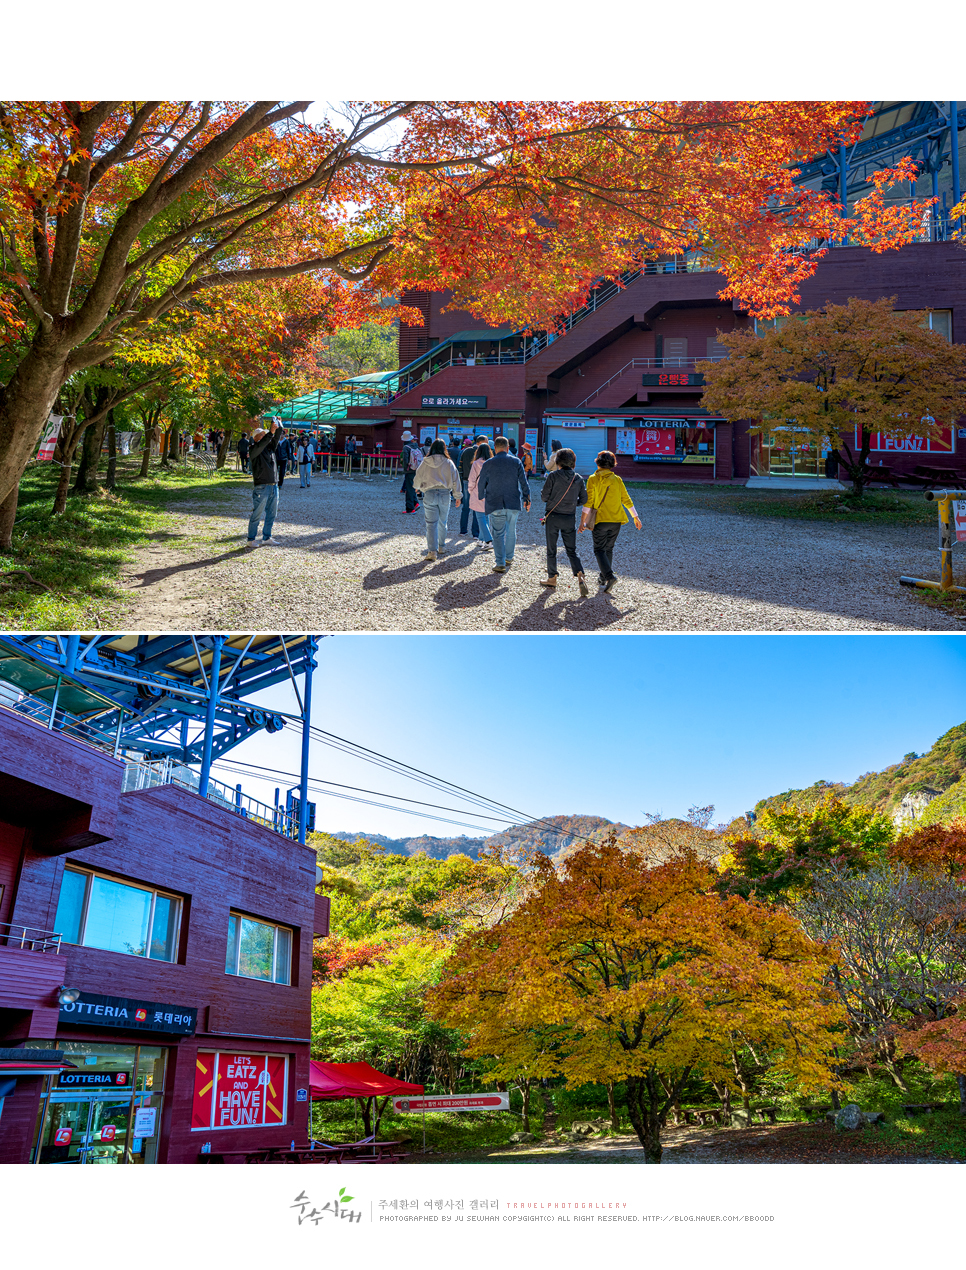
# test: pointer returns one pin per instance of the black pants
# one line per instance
(410, 492)
(605, 535)
(566, 526)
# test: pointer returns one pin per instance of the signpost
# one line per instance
(952, 529)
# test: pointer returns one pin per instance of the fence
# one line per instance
(29, 938)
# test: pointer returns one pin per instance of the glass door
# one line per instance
(65, 1133)
(107, 1130)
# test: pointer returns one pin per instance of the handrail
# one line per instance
(654, 363)
(29, 938)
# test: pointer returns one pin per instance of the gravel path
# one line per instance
(348, 559)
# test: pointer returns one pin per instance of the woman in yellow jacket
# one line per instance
(607, 495)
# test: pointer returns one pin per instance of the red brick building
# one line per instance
(621, 376)
(161, 943)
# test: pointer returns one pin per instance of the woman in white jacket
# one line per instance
(439, 481)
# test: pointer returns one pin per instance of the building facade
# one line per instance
(621, 375)
(161, 944)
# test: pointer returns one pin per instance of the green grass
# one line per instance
(893, 509)
(446, 1132)
(74, 560)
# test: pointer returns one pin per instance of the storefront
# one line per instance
(669, 441)
(107, 1110)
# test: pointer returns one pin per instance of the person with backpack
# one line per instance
(439, 480)
(305, 455)
(409, 461)
(563, 492)
(604, 514)
(265, 481)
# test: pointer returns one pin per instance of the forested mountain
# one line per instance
(943, 768)
(550, 835)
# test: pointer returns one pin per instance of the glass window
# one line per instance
(101, 912)
(150, 1077)
(70, 908)
(941, 320)
(258, 950)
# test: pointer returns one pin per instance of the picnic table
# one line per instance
(255, 1155)
(932, 477)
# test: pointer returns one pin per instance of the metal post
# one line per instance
(117, 734)
(954, 145)
(945, 544)
(214, 675)
(53, 705)
(843, 183)
(70, 659)
(306, 738)
(238, 796)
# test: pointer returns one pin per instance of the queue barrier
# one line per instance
(945, 500)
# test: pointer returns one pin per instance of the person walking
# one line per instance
(439, 480)
(467, 459)
(563, 492)
(265, 481)
(480, 518)
(244, 445)
(283, 453)
(502, 485)
(409, 461)
(306, 455)
(606, 499)
(551, 461)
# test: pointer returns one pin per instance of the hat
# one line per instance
(407, 436)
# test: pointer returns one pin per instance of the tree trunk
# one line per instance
(960, 1079)
(649, 1099)
(223, 449)
(146, 455)
(549, 1110)
(8, 514)
(836, 1101)
(525, 1091)
(63, 485)
(364, 1107)
(90, 459)
(25, 405)
(612, 1106)
(111, 479)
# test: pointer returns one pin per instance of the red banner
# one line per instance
(233, 1091)
(942, 444)
(204, 1085)
(654, 441)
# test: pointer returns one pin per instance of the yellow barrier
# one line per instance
(947, 538)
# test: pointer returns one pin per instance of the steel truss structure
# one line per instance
(183, 697)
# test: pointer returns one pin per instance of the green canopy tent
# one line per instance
(322, 407)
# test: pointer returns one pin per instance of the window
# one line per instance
(941, 320)
(101, 912)
(258, 950)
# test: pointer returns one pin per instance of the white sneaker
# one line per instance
(269, 542)
(429, 555)
(252, 543)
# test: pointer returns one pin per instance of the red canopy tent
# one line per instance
(354, 1080)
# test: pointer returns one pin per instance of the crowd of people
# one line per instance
(484, 479)
(491, 486)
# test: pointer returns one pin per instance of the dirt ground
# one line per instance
(348, 559)
(769, 1144)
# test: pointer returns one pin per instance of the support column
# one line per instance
(954, 145)
(306, 738)
(213, 683)
(843, 182)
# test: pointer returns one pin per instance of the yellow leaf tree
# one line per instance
(611, 971)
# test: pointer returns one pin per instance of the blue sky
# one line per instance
(614, 725)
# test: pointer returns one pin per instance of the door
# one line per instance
(85, 1130)
(586, 444)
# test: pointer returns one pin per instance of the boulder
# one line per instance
(740, 1119)
(583, 1128)
(522, 1136)
(849, 1118)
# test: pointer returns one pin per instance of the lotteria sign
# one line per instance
(135, 1016)
(454, 1102)
(238, 1091)
(94, 1080)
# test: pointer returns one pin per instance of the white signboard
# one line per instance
(453, 1102)
(144, 1122)
(959, 518)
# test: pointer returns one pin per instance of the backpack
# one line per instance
(415, 458)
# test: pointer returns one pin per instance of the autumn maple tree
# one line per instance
(115, 216)
(615, 972)
(837, 376)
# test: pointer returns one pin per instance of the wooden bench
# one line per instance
(922, 1108)
(934, 477)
